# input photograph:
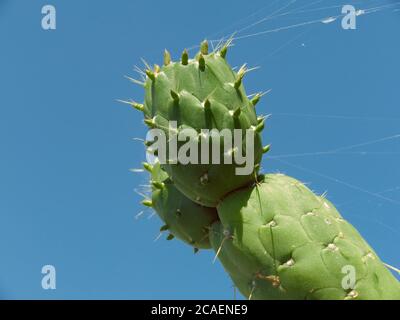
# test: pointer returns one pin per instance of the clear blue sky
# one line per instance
(66, 193)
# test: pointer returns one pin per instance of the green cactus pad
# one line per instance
(278, 240)
(184, 219)
(203, 93)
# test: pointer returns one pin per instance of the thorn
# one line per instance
(243, 69)
(260, 126)
(260, 119)
(185, 57)
(266, 148)
(391, 267)
(224, 51)
(164, 228)
(150, 74)
(174, 95)
(145, 63)
(167, 57)
(138, 192)
(202, 62)
(263, 118)
(259, 95)
(157, 68)
(204, 47)
(139, 71)
(148, 143)
(138, 139)
(252, 69)
(255, 99)
(147, 203)
(158, 185)
(135, 81)
(158, 237)
(240, 74)
(137, 106)
(237, 112)
(227, 44)
(139, 215)
(226, 237)
(136, 170)
(148, 166)
(266, 92)
(170, 237)
(238, 81)
(150, 123)
(252, 290)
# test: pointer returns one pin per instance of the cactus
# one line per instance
(182, 218)
(274, 237)
(278, 240)
(202, 93)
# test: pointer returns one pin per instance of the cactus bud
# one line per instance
(185, 57)
(167, 57)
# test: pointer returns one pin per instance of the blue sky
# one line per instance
(67, 196)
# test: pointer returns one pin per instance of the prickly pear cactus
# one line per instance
(278, 240)
(184, 219)
(202, 93)
(275, 238)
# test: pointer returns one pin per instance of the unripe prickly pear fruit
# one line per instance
(183, 218)
(278, 240)
(203, 93)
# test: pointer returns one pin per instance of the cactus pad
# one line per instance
(278, 240)
(184, 219)
(203, 93)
